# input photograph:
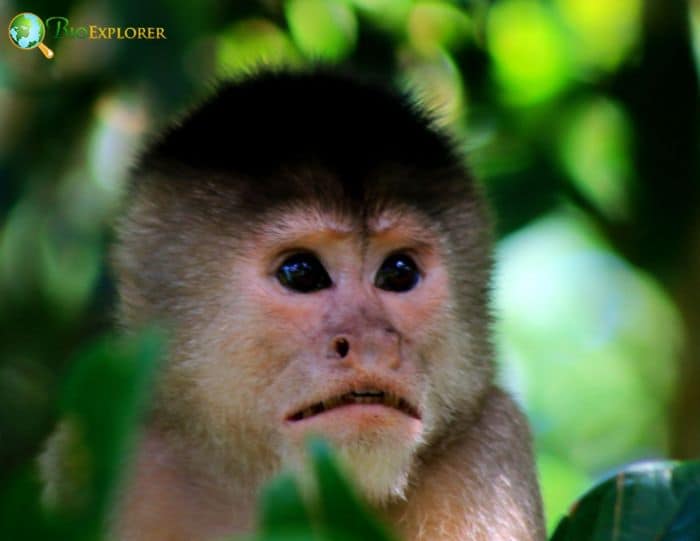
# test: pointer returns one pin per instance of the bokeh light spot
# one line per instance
(390, 15)
(595, 150)
(436, 25)
(605, 31)
(253, 42)
(529, 49)
(322, 29)
(592, 339)
(437, 84)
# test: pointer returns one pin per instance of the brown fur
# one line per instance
(198, 249)
(250, 355)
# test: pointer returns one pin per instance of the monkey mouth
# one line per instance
(363, 396)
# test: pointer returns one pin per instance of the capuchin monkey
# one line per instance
(321, 257)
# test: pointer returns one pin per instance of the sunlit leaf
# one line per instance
(322, 29)
(436, 25)
(389, 14)
(596, 150)
(251, 43)
(530, 51)
(695, 30)
(604, 32)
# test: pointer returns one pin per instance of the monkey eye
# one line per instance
(398, 273)
(304, 273)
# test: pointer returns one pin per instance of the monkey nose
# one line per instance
(355, 351)
(341, 346)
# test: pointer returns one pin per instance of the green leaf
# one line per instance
(284, 513)
(436, 25)
(103, 398)
(21, 515)
(654, 502)
(323, 29)
(343, 515)
(252, 43)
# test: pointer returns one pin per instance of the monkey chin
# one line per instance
(375, 445)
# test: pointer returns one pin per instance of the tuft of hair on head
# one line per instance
(253, 134)
(275, 118)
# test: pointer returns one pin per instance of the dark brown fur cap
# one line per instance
(254, 134)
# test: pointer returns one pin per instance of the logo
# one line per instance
(61, 28)
(27, 31)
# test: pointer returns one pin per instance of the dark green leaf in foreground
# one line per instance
(343, 515)
(284, 514)
(104, 395)
(337, 513)
(21, 515)
(651, 502)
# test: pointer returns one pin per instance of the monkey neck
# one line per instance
(169, 495)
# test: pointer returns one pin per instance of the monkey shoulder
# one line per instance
(496, 431)
(478, 483)
(499, 420)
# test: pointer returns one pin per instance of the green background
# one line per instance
(580, 117)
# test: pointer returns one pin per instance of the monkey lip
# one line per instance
(359, 397)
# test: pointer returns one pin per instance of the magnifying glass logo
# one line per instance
(27, 31)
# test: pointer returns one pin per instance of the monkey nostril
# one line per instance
(342, 347)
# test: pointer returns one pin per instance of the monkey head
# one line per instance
(321, 257)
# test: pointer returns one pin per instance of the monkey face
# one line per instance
(326, 326)
(323, 271)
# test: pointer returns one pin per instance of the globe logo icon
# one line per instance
(27, 31)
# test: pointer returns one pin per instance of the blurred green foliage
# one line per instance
(99, 402)
(580, 117)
